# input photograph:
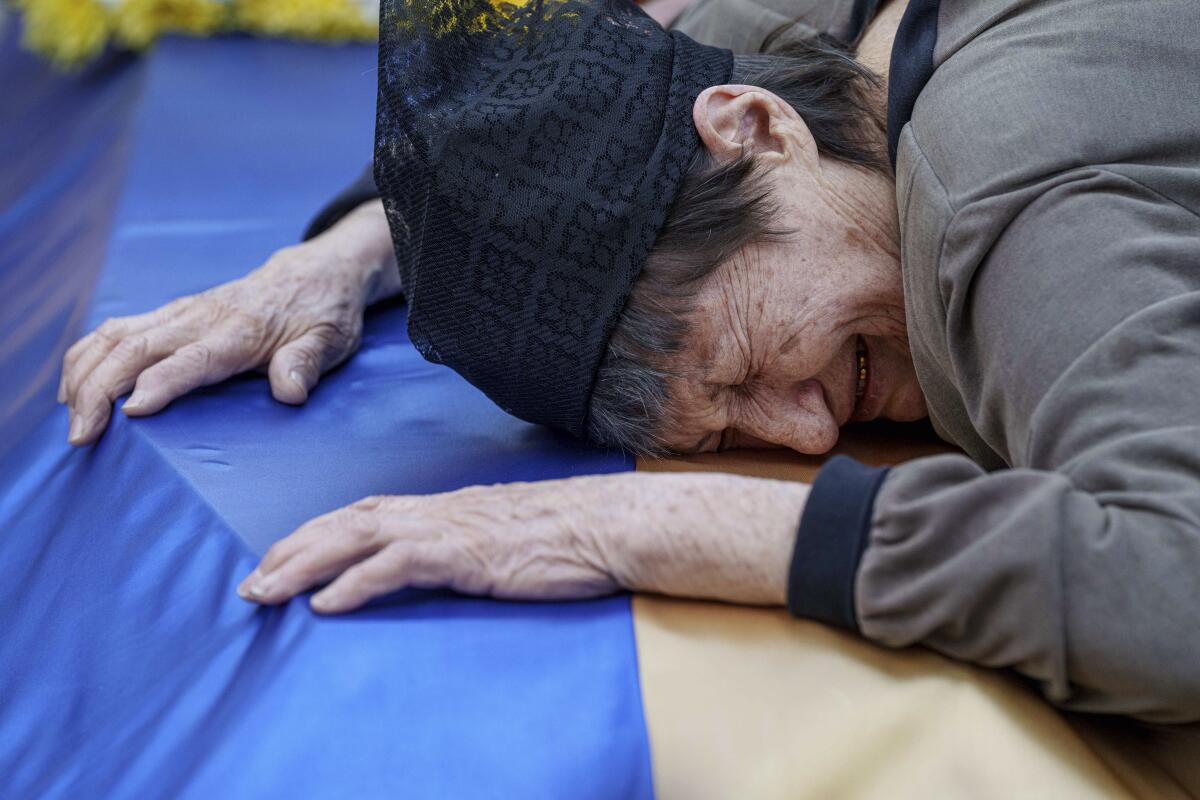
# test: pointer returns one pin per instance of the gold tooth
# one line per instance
(862, 374)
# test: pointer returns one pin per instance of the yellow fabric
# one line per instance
(749, 703)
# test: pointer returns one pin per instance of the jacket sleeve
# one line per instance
(1076, 344)
(354, 195)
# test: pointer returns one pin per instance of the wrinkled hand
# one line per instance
(691, 534)
(298, 315)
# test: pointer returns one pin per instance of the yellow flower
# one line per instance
(67, 32)
(309, 19)
(71, 32)
(444, 17)
(138, 23)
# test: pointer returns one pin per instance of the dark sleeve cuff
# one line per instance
(359, 192)
(834, 532)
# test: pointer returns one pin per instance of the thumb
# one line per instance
(297, 366)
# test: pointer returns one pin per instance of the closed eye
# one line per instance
(708, 443)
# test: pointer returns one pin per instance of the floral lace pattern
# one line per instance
(527, 154)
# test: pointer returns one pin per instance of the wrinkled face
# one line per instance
(785, 349)
(792, 339)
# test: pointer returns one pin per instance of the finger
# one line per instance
(208, 361)
(323, 551)
(358, 519)
(298, 365)
(395, 567)
(287, 547)
(84, 355)
(114, 375)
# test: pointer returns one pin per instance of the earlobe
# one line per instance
(735, 120)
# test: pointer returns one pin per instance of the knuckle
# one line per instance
(174, 308)
(111, 328)
(242, 333)
(165, 374)
(351, 331)
(197, 354)
(76, 350)
(398, 556)
(210, 310)
(302, 571)
(324, 333)
(392, 567)
(372, 503)
(359, 524)
(306, 359)
(91, 394)
(337, 336)
(132, 348)
(423, 560)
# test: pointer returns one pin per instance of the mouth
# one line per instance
(862, 364)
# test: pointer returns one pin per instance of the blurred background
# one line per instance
(125, 122)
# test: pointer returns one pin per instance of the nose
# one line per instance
(796, 416)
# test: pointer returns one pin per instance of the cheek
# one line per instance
(912, 402)
(908, 400)
(804, 337)
(803, 354)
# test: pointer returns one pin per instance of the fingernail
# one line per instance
(249, 583)
(298, 379)
(76, 430)
(254, 591)
(321, 602)
(135, 401)
(261, 587)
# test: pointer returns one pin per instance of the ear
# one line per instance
(733, 120)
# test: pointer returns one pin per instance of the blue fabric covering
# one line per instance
(128, 666)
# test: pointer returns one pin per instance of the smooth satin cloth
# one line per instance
(128, 665)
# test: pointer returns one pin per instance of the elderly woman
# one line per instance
(985, 212)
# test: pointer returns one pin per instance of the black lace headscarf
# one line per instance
(527, 154)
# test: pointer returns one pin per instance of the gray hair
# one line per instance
(720, 209)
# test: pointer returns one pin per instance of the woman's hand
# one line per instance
(689, 534)
(298, 315)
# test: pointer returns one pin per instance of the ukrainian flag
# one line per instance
(130, 668)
